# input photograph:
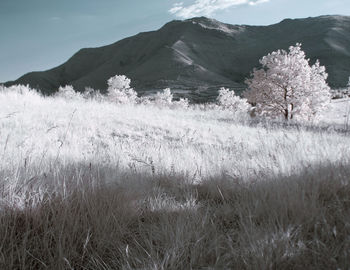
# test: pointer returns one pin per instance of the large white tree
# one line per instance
(119, 90)
(288, 86)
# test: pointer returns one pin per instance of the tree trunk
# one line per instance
(286, 112)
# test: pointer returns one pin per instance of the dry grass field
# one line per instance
(94, 185)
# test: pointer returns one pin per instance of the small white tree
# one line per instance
(287, 85)
(228, 100)
(68, 92)
(119, 90)
(164, 98)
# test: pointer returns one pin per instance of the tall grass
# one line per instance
(92, 185)
(84, 221)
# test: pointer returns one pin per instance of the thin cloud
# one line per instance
(208, 7)
(254, 3)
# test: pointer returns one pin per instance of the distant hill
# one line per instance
(197, 56)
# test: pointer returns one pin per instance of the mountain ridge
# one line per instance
(196, 56)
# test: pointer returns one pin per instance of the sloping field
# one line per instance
(42, 133)
(338, 113)
(94, 185)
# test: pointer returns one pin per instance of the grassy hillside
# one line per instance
(94, 185)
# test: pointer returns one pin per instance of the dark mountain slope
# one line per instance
(199, 55)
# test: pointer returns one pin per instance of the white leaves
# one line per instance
(288, 86)
(164, 98)
(119, 90)
(119, 82)
(228, 100)
(68, 92)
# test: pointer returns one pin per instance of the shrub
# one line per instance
(119, 90)
(164, 98)
(228, 100)
(68, 92)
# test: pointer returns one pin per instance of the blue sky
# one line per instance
(41, 34)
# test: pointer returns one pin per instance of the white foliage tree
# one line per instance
(288, 86)
(68, 92)
(119, 90)
(164, 98)
(228, 100)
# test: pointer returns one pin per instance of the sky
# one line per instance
(41, 34)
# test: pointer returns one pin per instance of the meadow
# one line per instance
(88, 184)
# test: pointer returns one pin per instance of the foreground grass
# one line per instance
(80, 220)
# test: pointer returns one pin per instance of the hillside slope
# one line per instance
(199, 55)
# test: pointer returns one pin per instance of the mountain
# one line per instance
(197, 56)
